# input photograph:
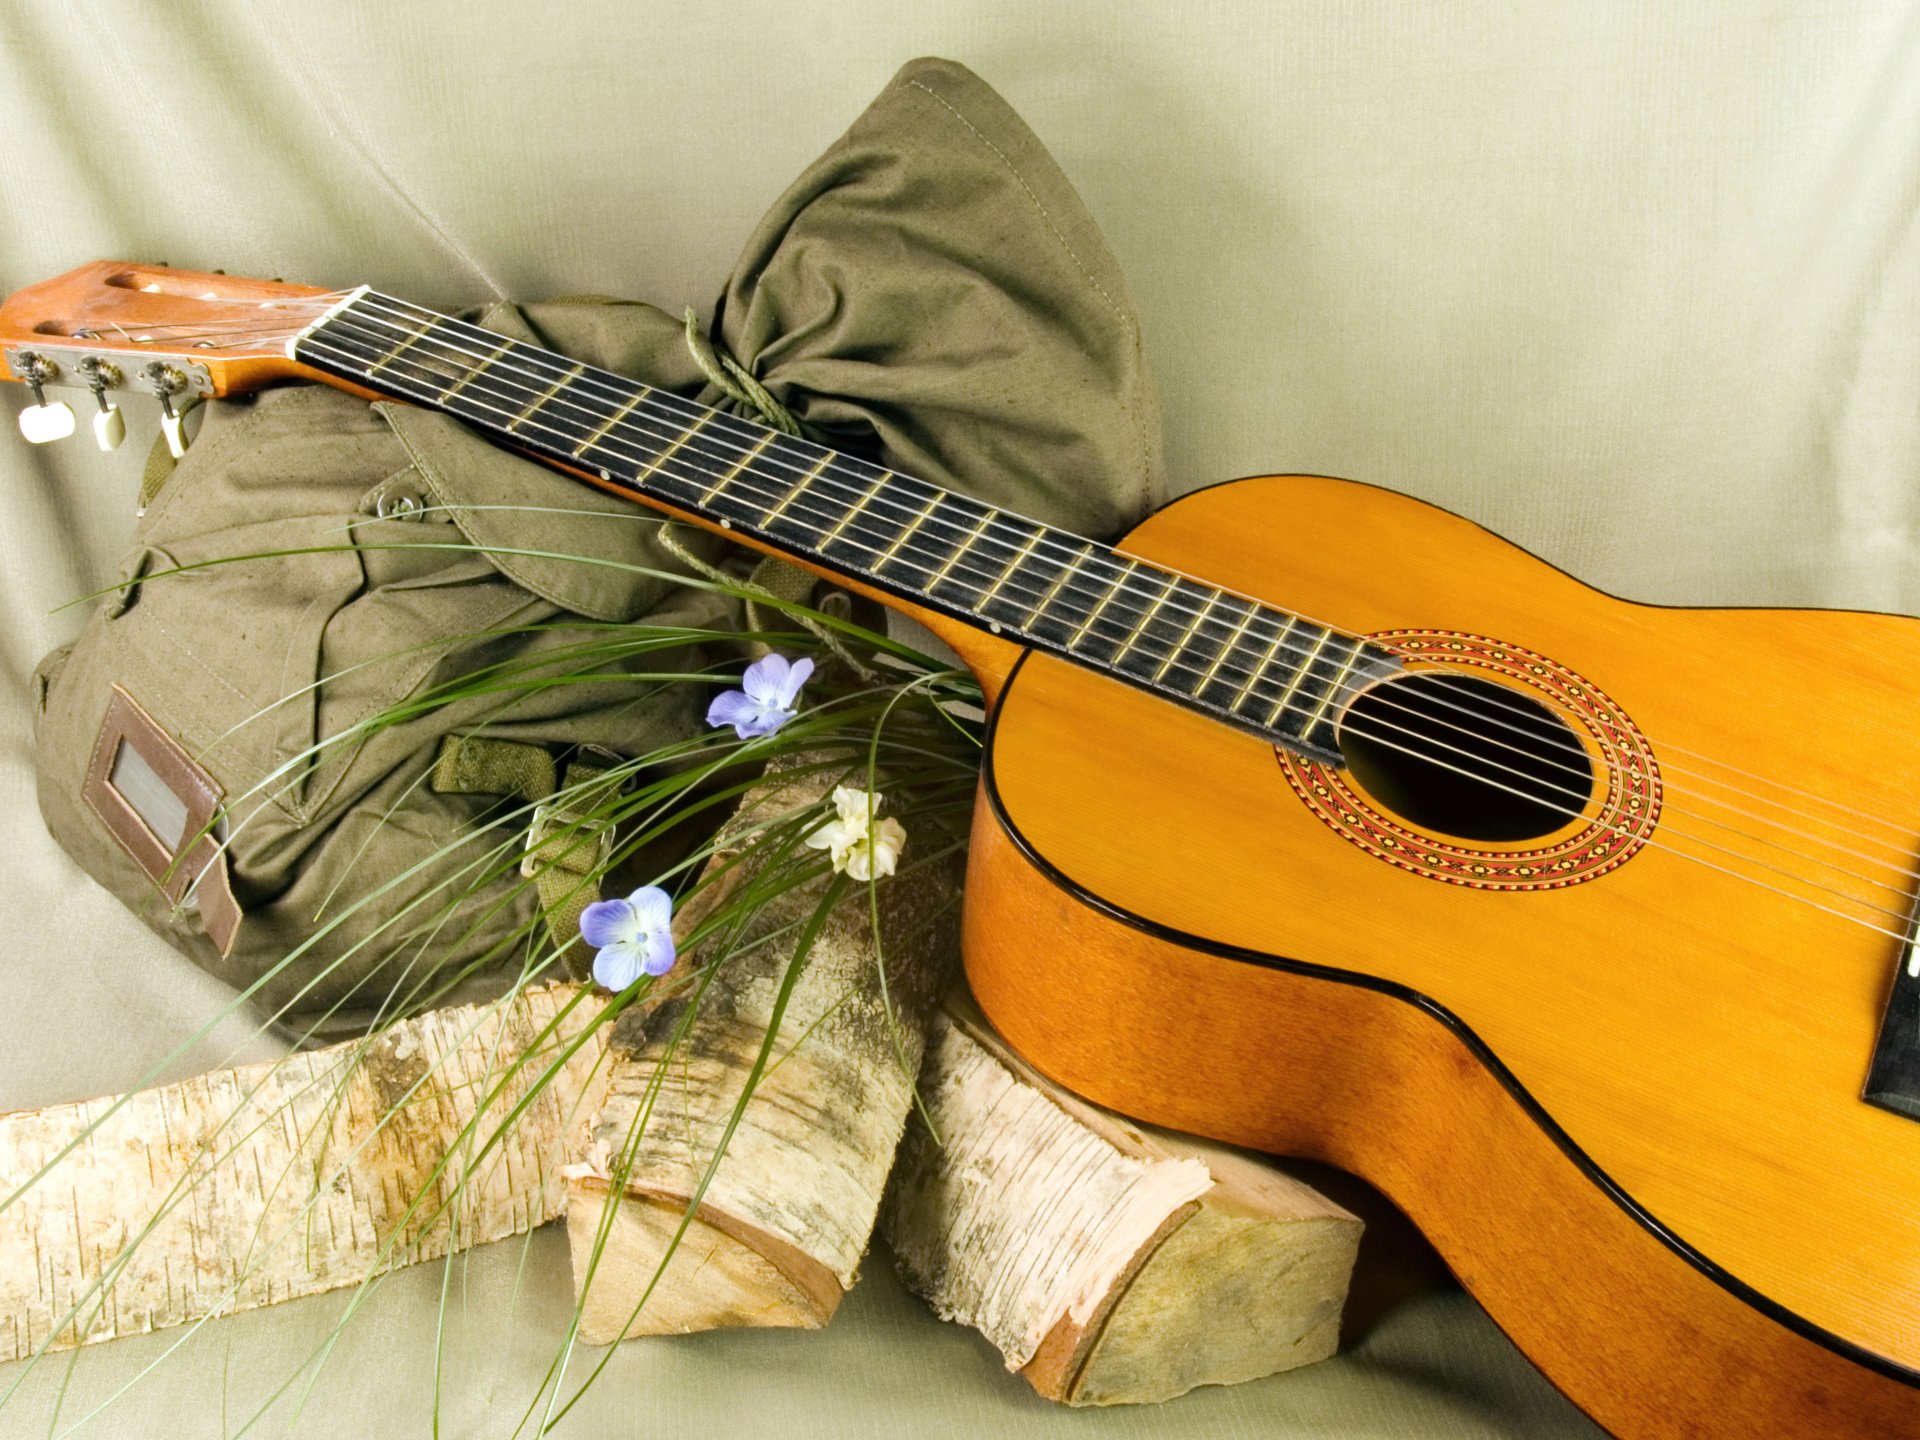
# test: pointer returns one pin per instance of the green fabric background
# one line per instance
(1636, 285)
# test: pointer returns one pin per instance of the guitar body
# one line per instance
(1612, 1072)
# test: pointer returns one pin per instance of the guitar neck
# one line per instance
(1259, 668)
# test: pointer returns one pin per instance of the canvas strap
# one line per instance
(569, 842)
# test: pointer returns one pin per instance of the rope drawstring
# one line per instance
(735, 381)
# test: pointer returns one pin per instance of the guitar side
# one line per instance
(1625, 1107)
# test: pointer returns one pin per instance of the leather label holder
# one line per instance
(164, 811)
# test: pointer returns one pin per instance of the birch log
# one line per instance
(778, 1236)
(1108, 1262)
(267, 1182)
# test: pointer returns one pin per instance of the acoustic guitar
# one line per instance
(1320, 820)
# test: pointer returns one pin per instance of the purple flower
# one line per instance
(765, 700)
(632, 937)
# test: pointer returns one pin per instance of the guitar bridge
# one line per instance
(1893, 1083)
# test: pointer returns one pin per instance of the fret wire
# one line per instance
(1266, 659)
(729, 476)
(1149, 609)
(611, 380)
(993, 590)
(751, 491)
(1028, 548)
(794, 493)
(1119, 583)
(1333, 685)
(546, 395)
(1067, 572)
(613, 420)
(1186, 635)
(475, 372)
(873, 488)
(907, 534)
(1238, 631)
(986, 519)
(653, 465)
(401, 348)
(1298, 675)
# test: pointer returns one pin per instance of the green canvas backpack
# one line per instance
(930, 293)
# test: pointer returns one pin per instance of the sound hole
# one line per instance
(1465, 757)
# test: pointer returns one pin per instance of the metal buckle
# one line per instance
(588, 848)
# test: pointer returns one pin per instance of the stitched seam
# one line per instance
(1112, 304)
(514, 601)
(1126, 323)
(308, 686)
(214, 675)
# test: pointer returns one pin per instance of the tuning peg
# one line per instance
(165, 380)
(109, 426)
(42, 421)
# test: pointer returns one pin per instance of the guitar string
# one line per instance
(1720, 824)
(1551, 806)
(508, 372)
(1118, 575)
(318, 304)
(613, 383)
(1254, 605)
(1499, 699)
(1583, 774)
(878, 502)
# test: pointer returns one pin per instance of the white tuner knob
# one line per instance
(109, 428)
(46, 422)
(42, 421)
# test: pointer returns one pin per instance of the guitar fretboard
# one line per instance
(1252, 665)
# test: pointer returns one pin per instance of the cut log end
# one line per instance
(1221, 1299)
(721, 1275)
(1083, 1248)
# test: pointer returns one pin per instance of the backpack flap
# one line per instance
(531, 520)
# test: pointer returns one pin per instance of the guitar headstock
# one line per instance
(116, 329)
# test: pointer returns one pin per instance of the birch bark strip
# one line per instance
(266, 1182)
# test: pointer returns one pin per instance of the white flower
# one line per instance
(858, 843)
